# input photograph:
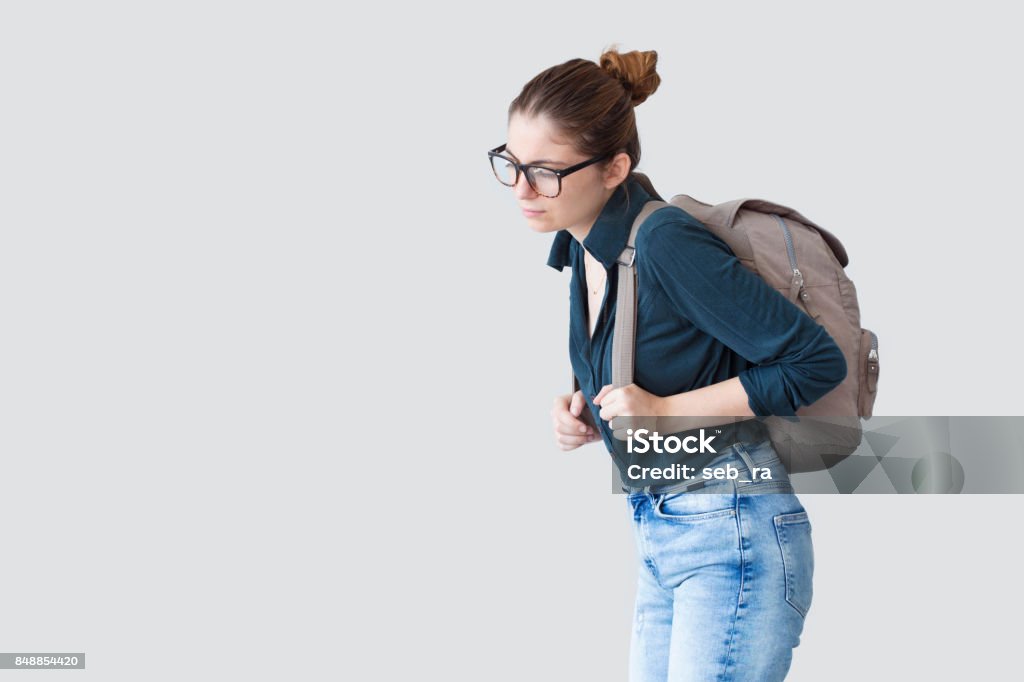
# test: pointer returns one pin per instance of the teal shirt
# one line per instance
(702, 318)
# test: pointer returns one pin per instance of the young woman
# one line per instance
(725, 572)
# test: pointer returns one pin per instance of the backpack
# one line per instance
(805, 263)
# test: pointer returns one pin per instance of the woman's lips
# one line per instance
(531, 214)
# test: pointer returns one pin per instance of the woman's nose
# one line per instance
(523, 188)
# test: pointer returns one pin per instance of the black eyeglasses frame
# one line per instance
(521, 168)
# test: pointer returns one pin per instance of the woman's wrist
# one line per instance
(673, 406)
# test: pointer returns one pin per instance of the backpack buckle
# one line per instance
(632, 256)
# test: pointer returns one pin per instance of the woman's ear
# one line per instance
(617, 170)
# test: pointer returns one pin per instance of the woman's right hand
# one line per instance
(571, 431)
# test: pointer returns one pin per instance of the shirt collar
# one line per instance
(608, 237)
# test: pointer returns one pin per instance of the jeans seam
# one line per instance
(734, 625)
(648, 556)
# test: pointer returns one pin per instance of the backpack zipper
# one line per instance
(798, 277)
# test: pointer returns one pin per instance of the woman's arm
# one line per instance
(726, 398)
(793, 360)
(714, 405)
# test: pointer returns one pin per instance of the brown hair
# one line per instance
(592, 103)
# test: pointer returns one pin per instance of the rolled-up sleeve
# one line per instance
(794, 359)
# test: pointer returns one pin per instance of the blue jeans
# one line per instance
(725, 575)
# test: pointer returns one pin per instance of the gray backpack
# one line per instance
(805, 263)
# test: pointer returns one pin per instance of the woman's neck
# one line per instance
(580, 232)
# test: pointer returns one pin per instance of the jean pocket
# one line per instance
(691, 507)
(794, 535)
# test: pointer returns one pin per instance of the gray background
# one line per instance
(277, 351)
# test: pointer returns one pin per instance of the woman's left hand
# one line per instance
(627, 401)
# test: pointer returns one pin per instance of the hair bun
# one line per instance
(635, 70)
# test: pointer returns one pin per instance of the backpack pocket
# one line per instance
(868, 379)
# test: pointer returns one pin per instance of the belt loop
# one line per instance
(746, 458)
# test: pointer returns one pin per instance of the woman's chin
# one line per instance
(538, 225)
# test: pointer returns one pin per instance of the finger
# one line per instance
(602, 393)
(570, 423)
(572, 440)
(567, 444)
(578, 439)
(576, 406)
(570, 443)
(574, 428)
(610, 405)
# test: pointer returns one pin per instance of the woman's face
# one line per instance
(584, 193)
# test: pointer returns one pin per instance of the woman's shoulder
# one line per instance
(670, 222)
(673, 239)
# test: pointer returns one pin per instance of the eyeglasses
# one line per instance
(546, 182)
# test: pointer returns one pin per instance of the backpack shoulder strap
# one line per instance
(624, 340)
